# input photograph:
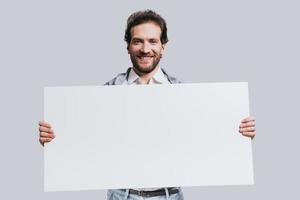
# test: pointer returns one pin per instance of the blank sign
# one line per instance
(141, 136)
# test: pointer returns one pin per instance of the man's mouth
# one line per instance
(145, 58)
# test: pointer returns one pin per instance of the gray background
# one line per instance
(49, 43)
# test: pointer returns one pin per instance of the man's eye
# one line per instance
(153, 41)
(136, 42)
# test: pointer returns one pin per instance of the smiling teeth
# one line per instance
(145, 57)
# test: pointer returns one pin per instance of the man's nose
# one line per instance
(146, 47)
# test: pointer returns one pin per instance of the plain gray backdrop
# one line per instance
(60, 42)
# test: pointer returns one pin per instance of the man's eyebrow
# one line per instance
(136, 38)
(153, 39)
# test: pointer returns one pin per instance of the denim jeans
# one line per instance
(124, 195)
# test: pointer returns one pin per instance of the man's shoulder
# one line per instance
(171, 79)
(119, 79)
(122, 78)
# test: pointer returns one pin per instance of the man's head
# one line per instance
(141, 17)
(146, 37)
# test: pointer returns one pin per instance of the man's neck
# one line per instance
(146, 77)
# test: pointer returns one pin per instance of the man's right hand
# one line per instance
(46, 132)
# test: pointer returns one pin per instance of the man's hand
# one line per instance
(247, 127)
(46, 132)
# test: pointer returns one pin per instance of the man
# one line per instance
(146, 37)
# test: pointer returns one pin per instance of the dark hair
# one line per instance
(141, 17)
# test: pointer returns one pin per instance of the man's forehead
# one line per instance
(147, 29)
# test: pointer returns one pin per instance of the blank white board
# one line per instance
(141, 136)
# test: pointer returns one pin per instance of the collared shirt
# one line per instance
(121, 79)
(158, 78)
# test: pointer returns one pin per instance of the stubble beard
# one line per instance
(148, 69)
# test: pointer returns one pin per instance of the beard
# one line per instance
(145, 69)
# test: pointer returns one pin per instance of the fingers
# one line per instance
(247, 124)
(47, 135)
(248, 119)
(45, 124)
(249, 134)
(46, 132)
(46, 129)
(44, 140)
(247, 127)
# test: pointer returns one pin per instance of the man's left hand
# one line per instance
(247, 127)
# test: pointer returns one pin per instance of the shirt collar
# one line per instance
(158, 77)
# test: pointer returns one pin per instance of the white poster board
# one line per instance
(141, 136)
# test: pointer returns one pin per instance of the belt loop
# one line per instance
(126, 194)
(167, 193)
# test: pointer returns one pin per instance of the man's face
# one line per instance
(145, 47)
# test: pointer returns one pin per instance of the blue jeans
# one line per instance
(124, 195)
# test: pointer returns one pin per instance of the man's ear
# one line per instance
(163, 48)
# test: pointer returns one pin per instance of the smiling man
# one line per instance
(146, 37)
(145, 49)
